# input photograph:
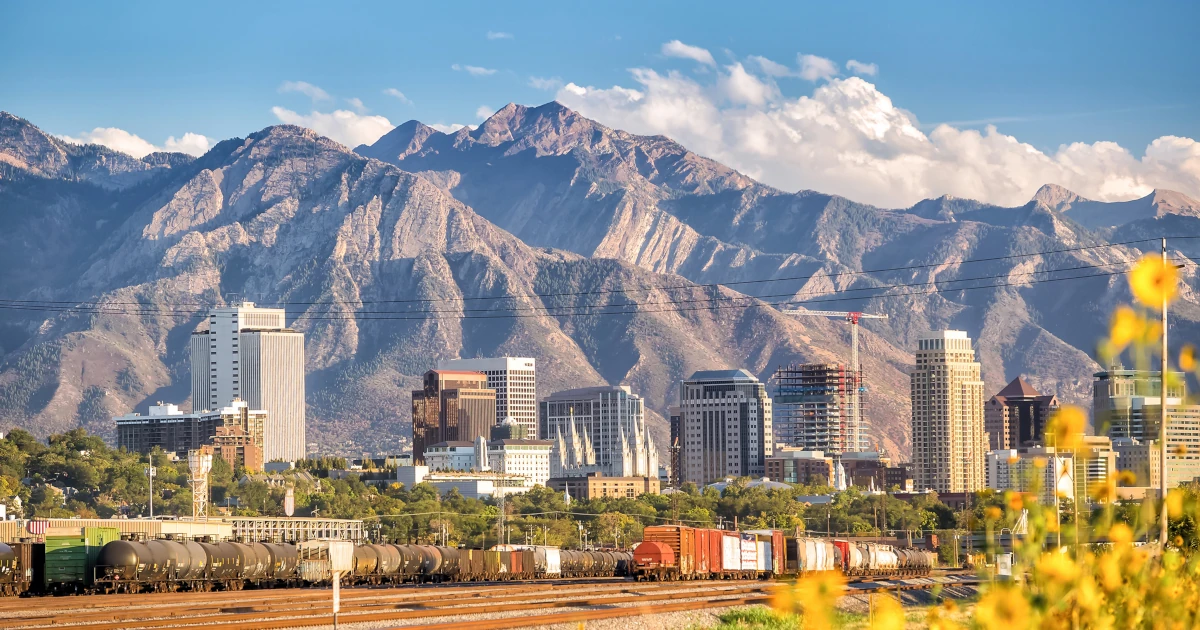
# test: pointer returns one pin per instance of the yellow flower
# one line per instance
(1110, 572)
(992, 513)
(1057, 568)
(1125, 326)
(1187, 357)
(1066, 428)
(1104, 491)
(1120, 534)
(1174, 503)
(814, 596)
(1002, 609)
(889, 615)
(1015, 502)
(1127, 478)
(1153, 281)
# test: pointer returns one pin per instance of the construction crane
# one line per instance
(852, 317)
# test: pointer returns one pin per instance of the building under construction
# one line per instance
(815, 408)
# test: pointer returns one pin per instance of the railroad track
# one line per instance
(440, 606)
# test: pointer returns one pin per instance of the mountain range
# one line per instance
(610, 257)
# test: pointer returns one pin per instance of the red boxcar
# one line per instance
(843, 548)
(778, 553)
(714, 551)
(702, 555)
(681, 540)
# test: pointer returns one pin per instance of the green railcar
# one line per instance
(70, 559)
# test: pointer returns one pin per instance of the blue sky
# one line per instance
(1047, 74)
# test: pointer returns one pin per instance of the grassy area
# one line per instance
(763, 618)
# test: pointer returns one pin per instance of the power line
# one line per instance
(509, 315)
(647, 288)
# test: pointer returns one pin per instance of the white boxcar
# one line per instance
(763, 561)
(731, 552)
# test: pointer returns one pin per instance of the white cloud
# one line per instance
(484, 112)
(771, 68)
(347, 127)
(813, 68)
(545, 83)
(473, 70)
(848, 138)
(676, 48)
(357, 104)
(305, 88)
(444, 128)
(125, 142)
(499, 35)
(399, 95)
(860, 68)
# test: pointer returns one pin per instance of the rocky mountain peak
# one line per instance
(1056, 197)
(1171, 202)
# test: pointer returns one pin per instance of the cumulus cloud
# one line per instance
(545, 83)
(484, 112)
(477, 71)
(771, 68)
(131, 144)
(848, 138)
(860, 68)
(676, 48)
(393, 92)
(813, 68)
(499, 35)
(305, 88)
(357, 104)
(347, 127)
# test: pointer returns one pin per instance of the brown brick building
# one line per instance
(453, 406)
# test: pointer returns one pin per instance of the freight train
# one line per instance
(102, 562)
(674, 552)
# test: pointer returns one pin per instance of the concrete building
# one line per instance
(726, 416)
(1095, 462)
(1017, 415)
(474, 485)
(1035, 468)
(794, 465)
(598, 429)
(1141, 458)
(869, 469)
(597, 485)
(453, 457)
(528, 458)
(248, 353)
(166, 427)
(949, 442)
(514, 379)
(452, 406)
(812, 408)
(1128, 405)
(236, 432)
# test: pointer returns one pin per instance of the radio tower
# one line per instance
(200, 463)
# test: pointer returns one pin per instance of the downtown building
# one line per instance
(948, 439)
(235, 432)
(514, 379)
(814, 408)
(1127, 406)
(451, 406)
(726, 426)
(249, 354)
(598, 430)
(1016, 416)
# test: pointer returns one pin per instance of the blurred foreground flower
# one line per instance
(1002, 609)
(813, 596)
(1153, 281)
(1187, 357)
(889, 614)
(1066, 428)
(1126, 325)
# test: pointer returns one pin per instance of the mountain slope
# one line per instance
(374, 265)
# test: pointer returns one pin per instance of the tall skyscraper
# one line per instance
(248, 353)
(948, 441)
(451, 406)
(515, 381)
(812, 409)
(609, 421)
(726, 418)
(1016, 416)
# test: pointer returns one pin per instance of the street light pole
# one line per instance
(150, 472)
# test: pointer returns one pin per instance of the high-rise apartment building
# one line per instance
(514, 380)
(1127, 404)
(948, 439)
(1016, 416)
(451, 406)
(236, 432)
(726, 418)
(248, 353)
(813, 408)
(608, 421)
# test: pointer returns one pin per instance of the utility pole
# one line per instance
(1162, 428)
(150, 473)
